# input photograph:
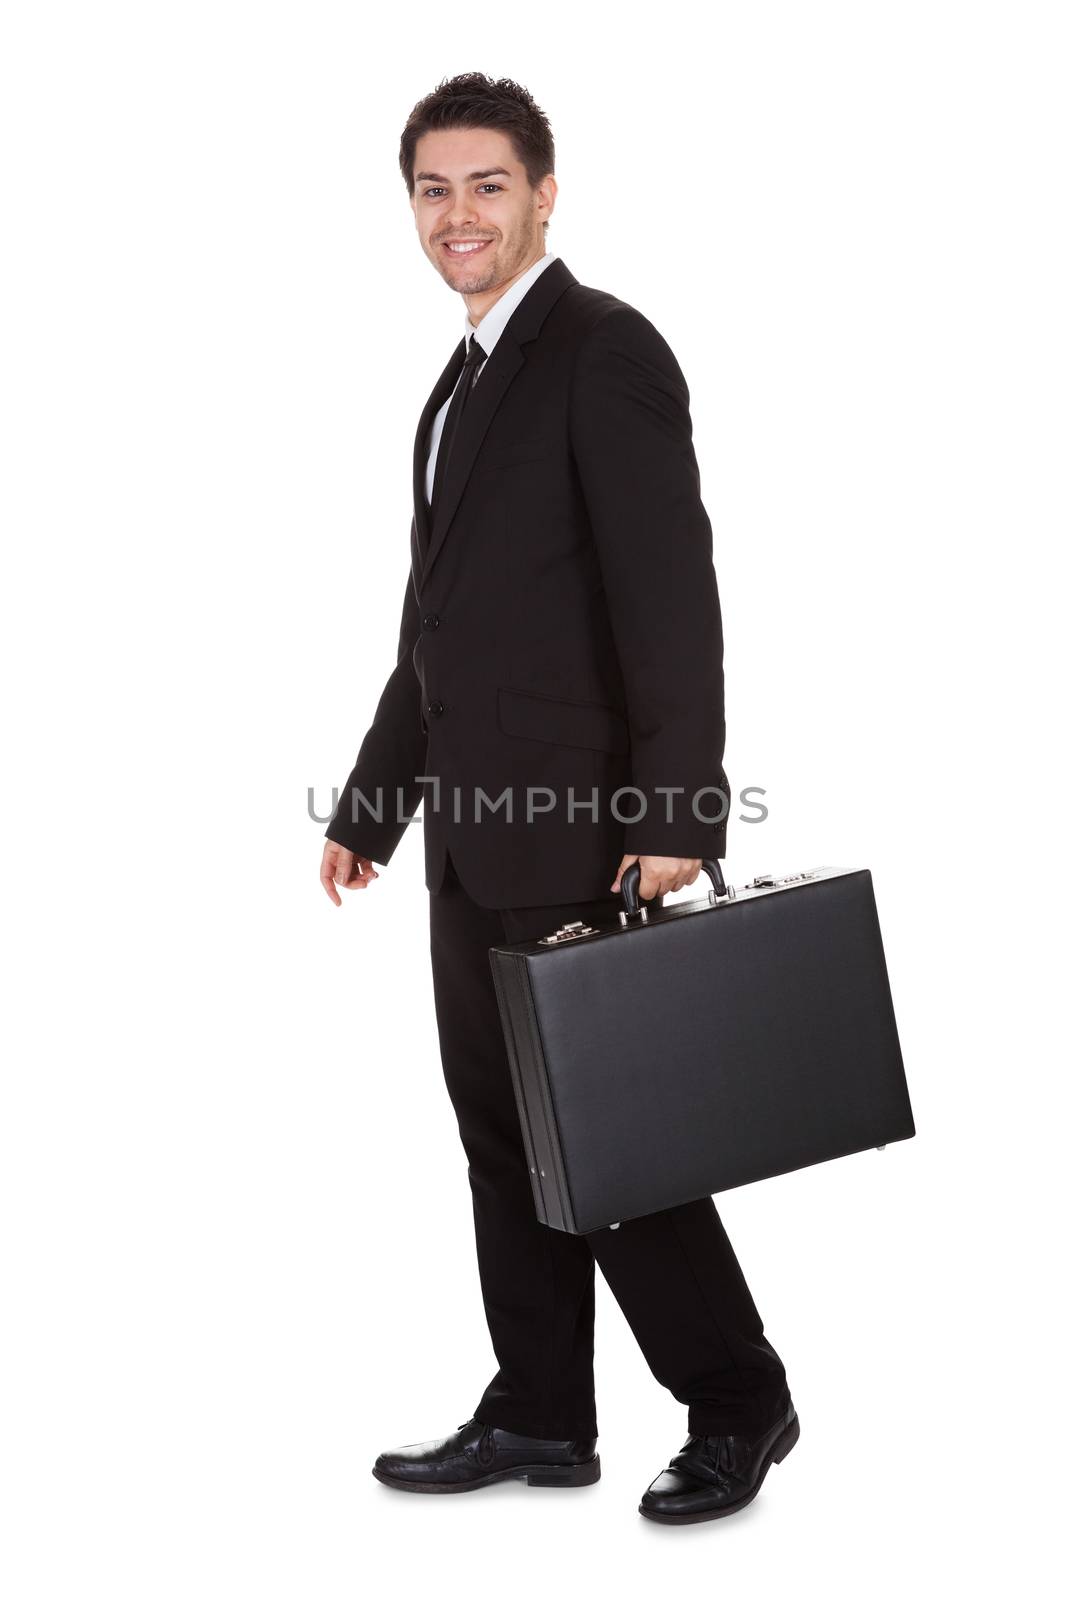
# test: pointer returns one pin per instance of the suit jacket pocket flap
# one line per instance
(582, 723)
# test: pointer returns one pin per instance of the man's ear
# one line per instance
(546, 196)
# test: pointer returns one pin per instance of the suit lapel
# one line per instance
(493, 383)
(420, 527)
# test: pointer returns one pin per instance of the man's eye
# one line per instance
(490, 186)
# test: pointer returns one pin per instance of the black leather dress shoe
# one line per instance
(479, 1453)
(713, 1475)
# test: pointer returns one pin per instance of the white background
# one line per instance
(237, 1251)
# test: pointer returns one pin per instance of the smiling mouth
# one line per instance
(465, 247)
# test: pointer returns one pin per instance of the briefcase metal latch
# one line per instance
(569, 930)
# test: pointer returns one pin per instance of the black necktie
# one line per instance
(475, 357)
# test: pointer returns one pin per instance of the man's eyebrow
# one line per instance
(472, 177)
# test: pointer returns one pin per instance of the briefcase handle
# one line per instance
(631, 878)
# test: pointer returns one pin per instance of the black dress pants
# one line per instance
(674, 1273)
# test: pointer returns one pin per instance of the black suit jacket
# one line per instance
(560, 632)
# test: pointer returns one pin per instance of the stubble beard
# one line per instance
(499, 273)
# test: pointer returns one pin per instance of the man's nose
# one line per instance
(464, 214)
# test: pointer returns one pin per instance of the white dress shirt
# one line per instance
(488, 332)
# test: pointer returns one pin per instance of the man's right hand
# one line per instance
(342, 869)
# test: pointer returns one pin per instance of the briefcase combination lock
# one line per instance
(767, 880)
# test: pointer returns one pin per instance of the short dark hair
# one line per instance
(471, 100)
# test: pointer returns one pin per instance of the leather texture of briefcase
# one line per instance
(694, 1047)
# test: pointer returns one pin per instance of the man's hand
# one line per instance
(659, 874)
(342, 870)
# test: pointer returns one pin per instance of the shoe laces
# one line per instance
(714, 1457)
(485, 1449)
(719, 1454)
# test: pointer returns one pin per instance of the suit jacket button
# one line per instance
(430, 621)
(435, 708)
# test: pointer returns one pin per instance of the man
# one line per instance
(557, 703)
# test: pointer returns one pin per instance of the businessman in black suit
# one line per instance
(557, 707)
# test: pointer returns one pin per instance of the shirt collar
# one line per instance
(491, 326)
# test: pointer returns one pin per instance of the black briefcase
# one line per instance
(689, 1048)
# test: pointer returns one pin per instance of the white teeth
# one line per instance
(475, 244)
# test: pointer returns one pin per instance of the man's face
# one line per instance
(471, 189)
